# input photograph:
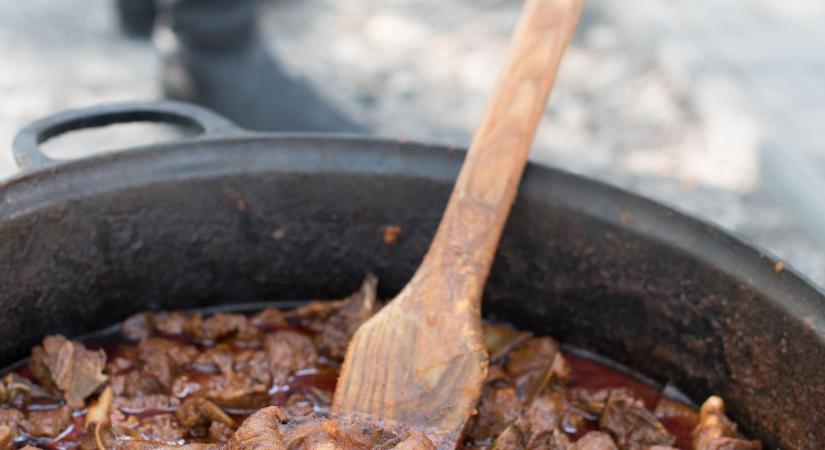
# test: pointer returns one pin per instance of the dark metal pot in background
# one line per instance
(232, 216)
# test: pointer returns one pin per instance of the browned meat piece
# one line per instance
(136, 383)
(119, 365)
(500, 339)
(513, 437)
(269, 319)
(171, 323)
(538, 427)
(593, 401)
(354, 311)
(631, 424)
(18, 391)
(310, 433)
(517, 437)
(531, 365)
(219, 326)
(161, 357)
(545, 412)
(259, 431)
(234, 391)
(76, 371)
(38, 368)
(549, 440)
(184, 386)
(160, 427)
(139, 326)
(196, 415)
(254, 365)
(716, 432)
(48, 423)
(219, 358)
(498, 407)
(316, 313)
(12, 418)
(271, 429)
(595, 440)
(219, 432)
(288, 351)
(146, 404)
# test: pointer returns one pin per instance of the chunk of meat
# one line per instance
(595, 440)
(538, 427)
(269, 319)
(500, 339)
(593, 401)
(159, 427)
(310, 433)
(171, 323)
(254, 365)
(75, 370)
(48, 423)
(498, 407)
(355, 310)
(531, 365)
(136, 383)
(513, 437)
(259, 431)
(219, 358)
(220, 432)
(549, 440)
(631, 424)
(288, 351)
(716, 432)
(12, 418)
(161, 358)
(544, 414)
(196, 415)
(139, 326)
(20, 392)
(219, 326)
(314, 314)
(234, 391)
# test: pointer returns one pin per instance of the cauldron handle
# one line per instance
(26, 144)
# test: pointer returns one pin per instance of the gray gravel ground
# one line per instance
(421, 69)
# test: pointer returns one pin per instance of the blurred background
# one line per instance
(710, 106)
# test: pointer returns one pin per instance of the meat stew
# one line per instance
(230, 381)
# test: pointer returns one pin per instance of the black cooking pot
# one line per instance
(232, 216)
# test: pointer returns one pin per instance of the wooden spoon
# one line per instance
(420, 362)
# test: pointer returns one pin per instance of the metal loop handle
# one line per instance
(26, 144)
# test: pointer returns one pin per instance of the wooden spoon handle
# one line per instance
(486, 187)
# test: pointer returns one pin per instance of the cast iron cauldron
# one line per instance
(192, 223)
